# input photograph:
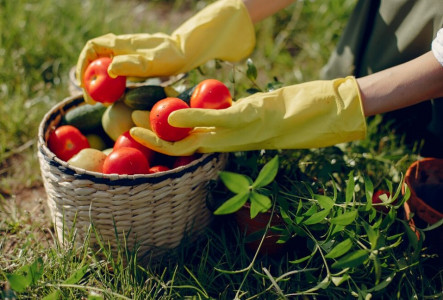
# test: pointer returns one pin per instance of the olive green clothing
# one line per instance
(384, 33)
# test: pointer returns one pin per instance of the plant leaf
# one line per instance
(309, 189)
(93, 296)
(336, 229)
(384, 198)
(324, 201)
(405, 196)
(372, 215)
(350, 187)
(312, 210)
(251, 72)
(52, 296)
(377, 269)
(351, 260)
(267, 173)
(321, 285)
(340, 249)
(236, 183)
(73, 279)
(297, 230)
(382, 285)
(372, 234)
(77, 275)
(412, 237)
(255, 236)
(433, 226)
(317, 217)
(18, 282)
(232, 204)
(26, 276)
(284, 209)
(305, 258)
(253, 91)
(259, 203)
(345, 218)
(369, 190)
(337, 280)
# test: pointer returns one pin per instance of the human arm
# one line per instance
(261, 9)
(404, 85)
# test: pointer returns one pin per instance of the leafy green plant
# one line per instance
(26, 276)
(344, 245)
(245, 189)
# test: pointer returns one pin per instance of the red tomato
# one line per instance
(159, 119)
(211, 93)
(376, 200)
(126, 160)
(126, 140)
(66, 141)
(99, 85)
(183, 160)
(157, 169)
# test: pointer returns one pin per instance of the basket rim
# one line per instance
(110, 179)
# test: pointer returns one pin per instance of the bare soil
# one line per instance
(32, 201)
(24, 216)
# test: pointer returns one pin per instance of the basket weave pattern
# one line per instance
(155, 211)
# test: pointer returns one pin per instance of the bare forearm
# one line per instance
(401, 86)
(260, 9)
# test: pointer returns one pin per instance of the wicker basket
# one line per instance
(152, 211)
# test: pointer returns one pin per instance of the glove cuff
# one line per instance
(352, 116)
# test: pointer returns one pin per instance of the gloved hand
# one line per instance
(222, 30)
(308, 115)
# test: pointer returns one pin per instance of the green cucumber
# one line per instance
(144, 97)
(85, 117)
(186, 94)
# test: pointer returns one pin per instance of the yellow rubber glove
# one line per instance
(308, 115)
(222, 30)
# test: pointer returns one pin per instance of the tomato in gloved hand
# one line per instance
(66, 141)
(159, 119)
(99, 85)
(211, 93)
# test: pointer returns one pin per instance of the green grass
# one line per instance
(40, 42)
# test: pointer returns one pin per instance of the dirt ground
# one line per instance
(27, 205)
(32, 201)
(24, 215)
